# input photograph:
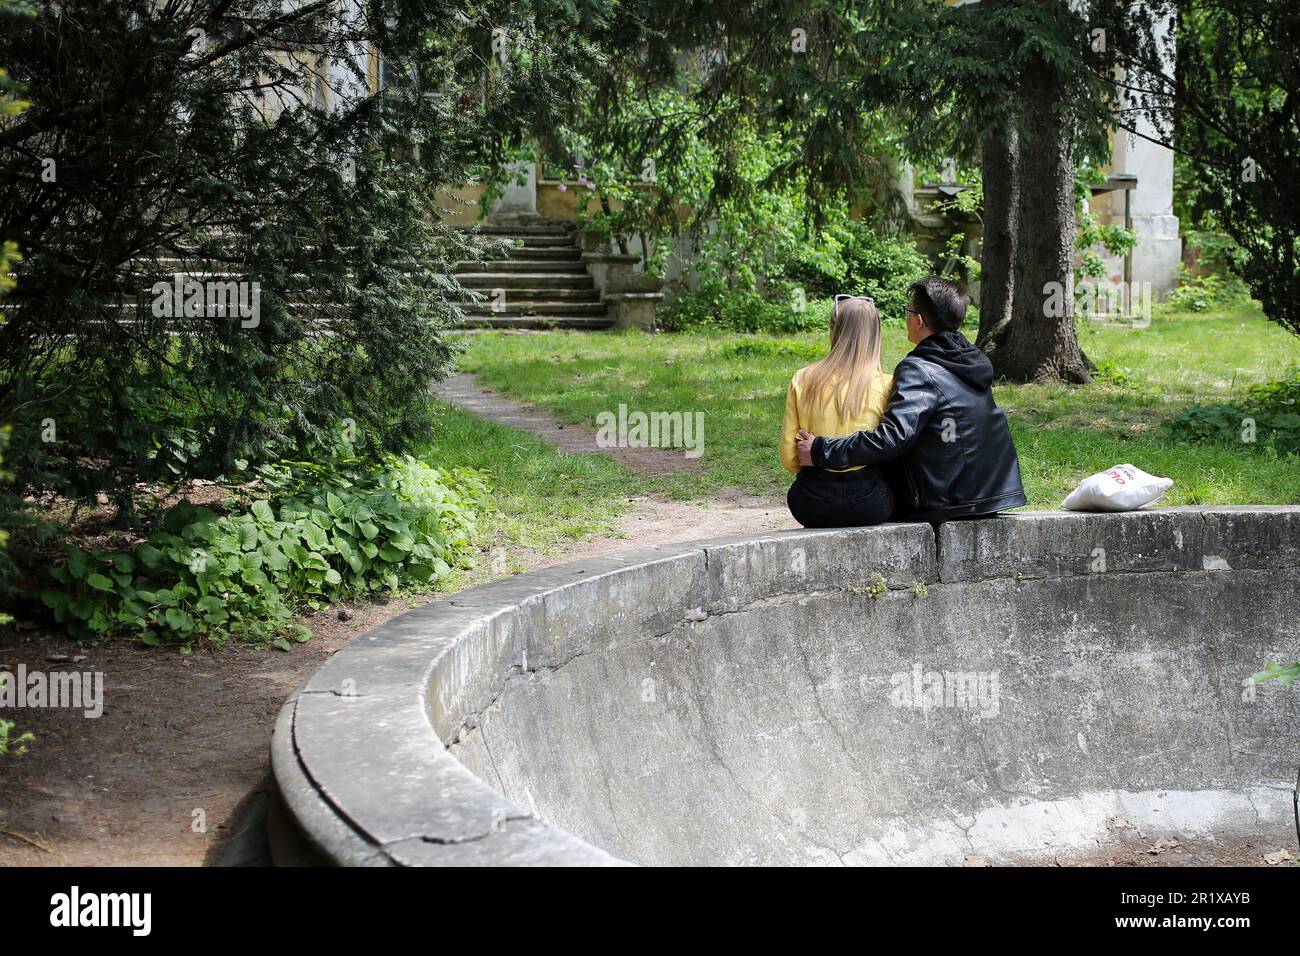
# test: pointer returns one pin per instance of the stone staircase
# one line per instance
(542, 284)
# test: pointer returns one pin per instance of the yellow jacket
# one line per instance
(821, 418)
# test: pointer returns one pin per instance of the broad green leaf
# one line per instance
(179, 621)
(316, 538)
(54, 599)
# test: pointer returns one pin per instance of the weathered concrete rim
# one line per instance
(359, 750)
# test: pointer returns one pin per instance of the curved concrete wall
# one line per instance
(1008, 687)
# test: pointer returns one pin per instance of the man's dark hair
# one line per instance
(940, 301)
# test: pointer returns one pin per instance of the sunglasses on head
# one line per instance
(842, 296)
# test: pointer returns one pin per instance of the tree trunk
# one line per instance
(1038, 342)
(1000, 166)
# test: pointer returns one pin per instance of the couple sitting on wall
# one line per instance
(925, 444)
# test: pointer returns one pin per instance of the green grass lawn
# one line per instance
(1063, 433)
(543, 499)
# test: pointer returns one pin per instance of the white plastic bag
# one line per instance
(1122, 488)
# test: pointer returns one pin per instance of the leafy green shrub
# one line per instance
(1111, 372)
(1193, 294)
(765, 277)
(854, 258)
(1212, 423)
(1200, 293)
(719, 306)
(10, 744)
(326, 531)
(1268, 419)
(752, 348)
(1216, 254)
(882, 267)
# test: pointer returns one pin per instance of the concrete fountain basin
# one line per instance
(1008, 688)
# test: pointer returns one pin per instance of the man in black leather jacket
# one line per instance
(946, 438)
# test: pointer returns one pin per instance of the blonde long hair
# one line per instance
(846, 374)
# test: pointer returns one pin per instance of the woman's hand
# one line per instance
(804, 444)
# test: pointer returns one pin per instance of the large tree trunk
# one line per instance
(1038, 342)
(1000, 167)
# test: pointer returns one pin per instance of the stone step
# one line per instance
(547, 295)
(547, 266)
(568, 253)
(525, 280)
(544, 242)
(534, 308)
(537, 322)
(548, 229)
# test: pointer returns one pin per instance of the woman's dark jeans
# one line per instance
(851, 499)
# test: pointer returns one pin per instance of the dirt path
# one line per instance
(164, 775)
(463, 389)
(652, 520)
(156, 779)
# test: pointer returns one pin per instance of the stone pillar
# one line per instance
(1159, 250)
(630, 297)
(612, 272)
(519, 201)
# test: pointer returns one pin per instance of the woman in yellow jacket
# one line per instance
(844, 393)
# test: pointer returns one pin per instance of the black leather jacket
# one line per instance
(953, 449)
